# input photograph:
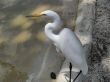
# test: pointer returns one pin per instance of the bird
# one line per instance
(65, 41)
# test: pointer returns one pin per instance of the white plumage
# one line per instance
(72, 49)
(66, 41)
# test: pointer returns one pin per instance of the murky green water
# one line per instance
(22, 41)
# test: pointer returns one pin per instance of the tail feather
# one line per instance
(85, 69)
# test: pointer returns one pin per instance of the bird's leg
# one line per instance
(70, 67)
(77, 76)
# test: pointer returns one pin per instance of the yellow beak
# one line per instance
(35, 15)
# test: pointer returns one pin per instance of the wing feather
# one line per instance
(72, 49)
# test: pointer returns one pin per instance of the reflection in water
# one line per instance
(3, 39)
(40, 8)
(43, 65)
(41, 36)
(27, 24)
(22, 37)
(21, 21)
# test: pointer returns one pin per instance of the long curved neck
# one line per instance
(50, 27)
(57, 22)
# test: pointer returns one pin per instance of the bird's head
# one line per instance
(48, 13)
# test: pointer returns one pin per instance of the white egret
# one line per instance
(66, 41)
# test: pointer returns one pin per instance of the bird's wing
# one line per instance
(72, 49)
